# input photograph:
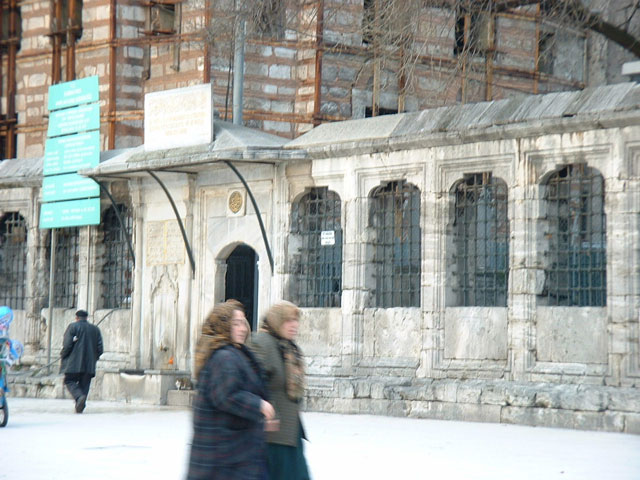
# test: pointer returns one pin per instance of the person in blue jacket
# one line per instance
(81, 349)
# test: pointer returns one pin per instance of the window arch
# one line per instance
(576, 273)
(317, 264)
(13, 260)
(66, 268)
(117, 267)
(481, 240)
(395, 218)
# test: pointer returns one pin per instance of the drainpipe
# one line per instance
(11, 81)
(71, 42)
(317, 90)
(112, 74)
(238, 73)
(207, 52)
(56, 14)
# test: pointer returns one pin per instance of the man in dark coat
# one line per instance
(81, 348)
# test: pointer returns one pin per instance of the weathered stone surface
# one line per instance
(455, 411)
(563, 418)
(362, 389)
(476, 333)
(469, 392)
(494, 394)
(548, 396)
(521, 395)
(624, 399)
(571, 337)
(632, 423)
(576, 398)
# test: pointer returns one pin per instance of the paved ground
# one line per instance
(113, 441)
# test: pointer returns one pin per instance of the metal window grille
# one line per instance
(395, 216)
(65, 289)
(481, 239)
(117, 269)
(13, 260)
(577, 271)
(318, 273)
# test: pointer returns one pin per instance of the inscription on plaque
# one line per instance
(178, 118)
(164, 243)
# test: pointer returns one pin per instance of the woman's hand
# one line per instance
(267, 410)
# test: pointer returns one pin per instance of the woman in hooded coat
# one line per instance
(283, 364)
(230, 407)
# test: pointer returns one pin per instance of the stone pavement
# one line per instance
(46, 440)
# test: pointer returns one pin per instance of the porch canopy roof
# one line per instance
(231, 143)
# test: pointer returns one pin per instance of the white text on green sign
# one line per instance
(72, 213)
(76, 92)
(67, 187)
(74, 120)
(71, 153)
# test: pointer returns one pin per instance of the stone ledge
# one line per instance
(180, 398)
(590, 407)
(533, 416)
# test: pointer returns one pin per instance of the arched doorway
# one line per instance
(241, 280)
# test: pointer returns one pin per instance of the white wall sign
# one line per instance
(327, 237)
(178, 118)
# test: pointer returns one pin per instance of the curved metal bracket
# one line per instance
(257, 210)
(118, 216)
(182, 230)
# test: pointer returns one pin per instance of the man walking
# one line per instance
(81, 348)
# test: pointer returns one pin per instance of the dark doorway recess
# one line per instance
(241, 281)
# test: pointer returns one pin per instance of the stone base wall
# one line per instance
(145, 387)
(582, 407)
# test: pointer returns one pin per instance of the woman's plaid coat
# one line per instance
(228, 428)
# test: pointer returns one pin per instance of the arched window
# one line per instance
(13, 260)
(395, 217)
(481, 239)
(117, 268)
(66, 268)
(317, 261)
(576, 273)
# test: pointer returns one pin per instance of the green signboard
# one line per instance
(74, 120)
(70, 200)
(70, 94)
(72, 213)
(67, 187)
(71, 153)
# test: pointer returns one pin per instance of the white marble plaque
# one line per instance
(178, 118)
(164, 243)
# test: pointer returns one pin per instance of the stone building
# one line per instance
(477, 261)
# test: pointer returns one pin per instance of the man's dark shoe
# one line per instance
(80, 403)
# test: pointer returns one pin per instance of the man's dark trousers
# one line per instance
(78, 384)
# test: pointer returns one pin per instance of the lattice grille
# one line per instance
(66, 268)
(577, 271)
(318, 273)
(395, 216)
(481, 232)
(117, 269)
(13, 260)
